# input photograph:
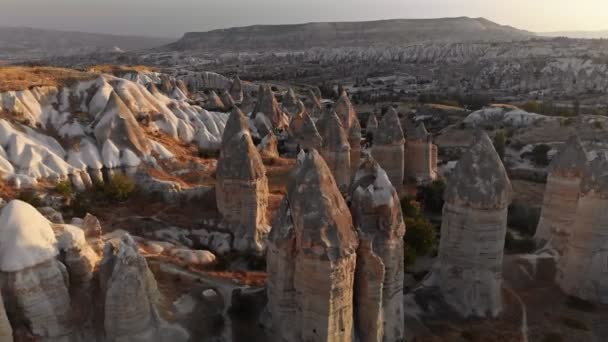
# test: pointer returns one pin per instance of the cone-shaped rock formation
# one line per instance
(473, 231)
(311, 258)
(242, 192)
(561, 197)
(388, 147)
(336, 151)
(379, 278)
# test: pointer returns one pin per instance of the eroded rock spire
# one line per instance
(314, 237)
(388, 147)
(473, 231)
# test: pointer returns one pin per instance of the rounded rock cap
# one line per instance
(479, 179)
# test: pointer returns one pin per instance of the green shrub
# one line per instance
(523, 218)
(81, 205)
(431, 196)
(538, 155)
(580, 304)
(64, 188)
(574, 323)
(29, 196)
(120, 187)
(598, 125)
(420, 235)
(409, 255)
(409, 207)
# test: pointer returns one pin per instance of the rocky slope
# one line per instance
(341, 34)
(104, 123)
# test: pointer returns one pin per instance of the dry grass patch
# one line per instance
(119, 70)
(21, 78)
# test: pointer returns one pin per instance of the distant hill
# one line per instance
(17, 43)
(341, 34)
(577, 34)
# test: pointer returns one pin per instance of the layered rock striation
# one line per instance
(420, 155)
(582, 270)
(561, 197)
(34, 282)
(311, 259)
(388, 148)
(377, 217)
(336, 151)
(469, 268)
(242, 192)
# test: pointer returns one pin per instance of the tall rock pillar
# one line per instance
(379, 278)
(388, 147)
(336, 151)
(561, 197)
(473, 231)
(420, 155)
(311, 259)
(583, 269)
(242, 192)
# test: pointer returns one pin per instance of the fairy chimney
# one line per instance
(269, 146)
(291, 104)
(35, 290)
(473, 231)
(236, 123)
(304, 132)
(379, 274)
(236, 90)
(242, 192)
(420, 155)
(561, 196)
(313, 104)
(336, 151)
(267, 108)
(354, 139)
(371, 127)
(583, 269)
(214, 102)
(130, 296)
(311, 259)
(388, 147)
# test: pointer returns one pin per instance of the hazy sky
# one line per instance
(171, 18)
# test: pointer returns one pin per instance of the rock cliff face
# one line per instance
(312, 254)
(473, 232)
(336, 151)
(242, 192)
(582, 270)
(420, 155)
(561, 197)
(388, 148)
(379, 278)
(34, 284)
